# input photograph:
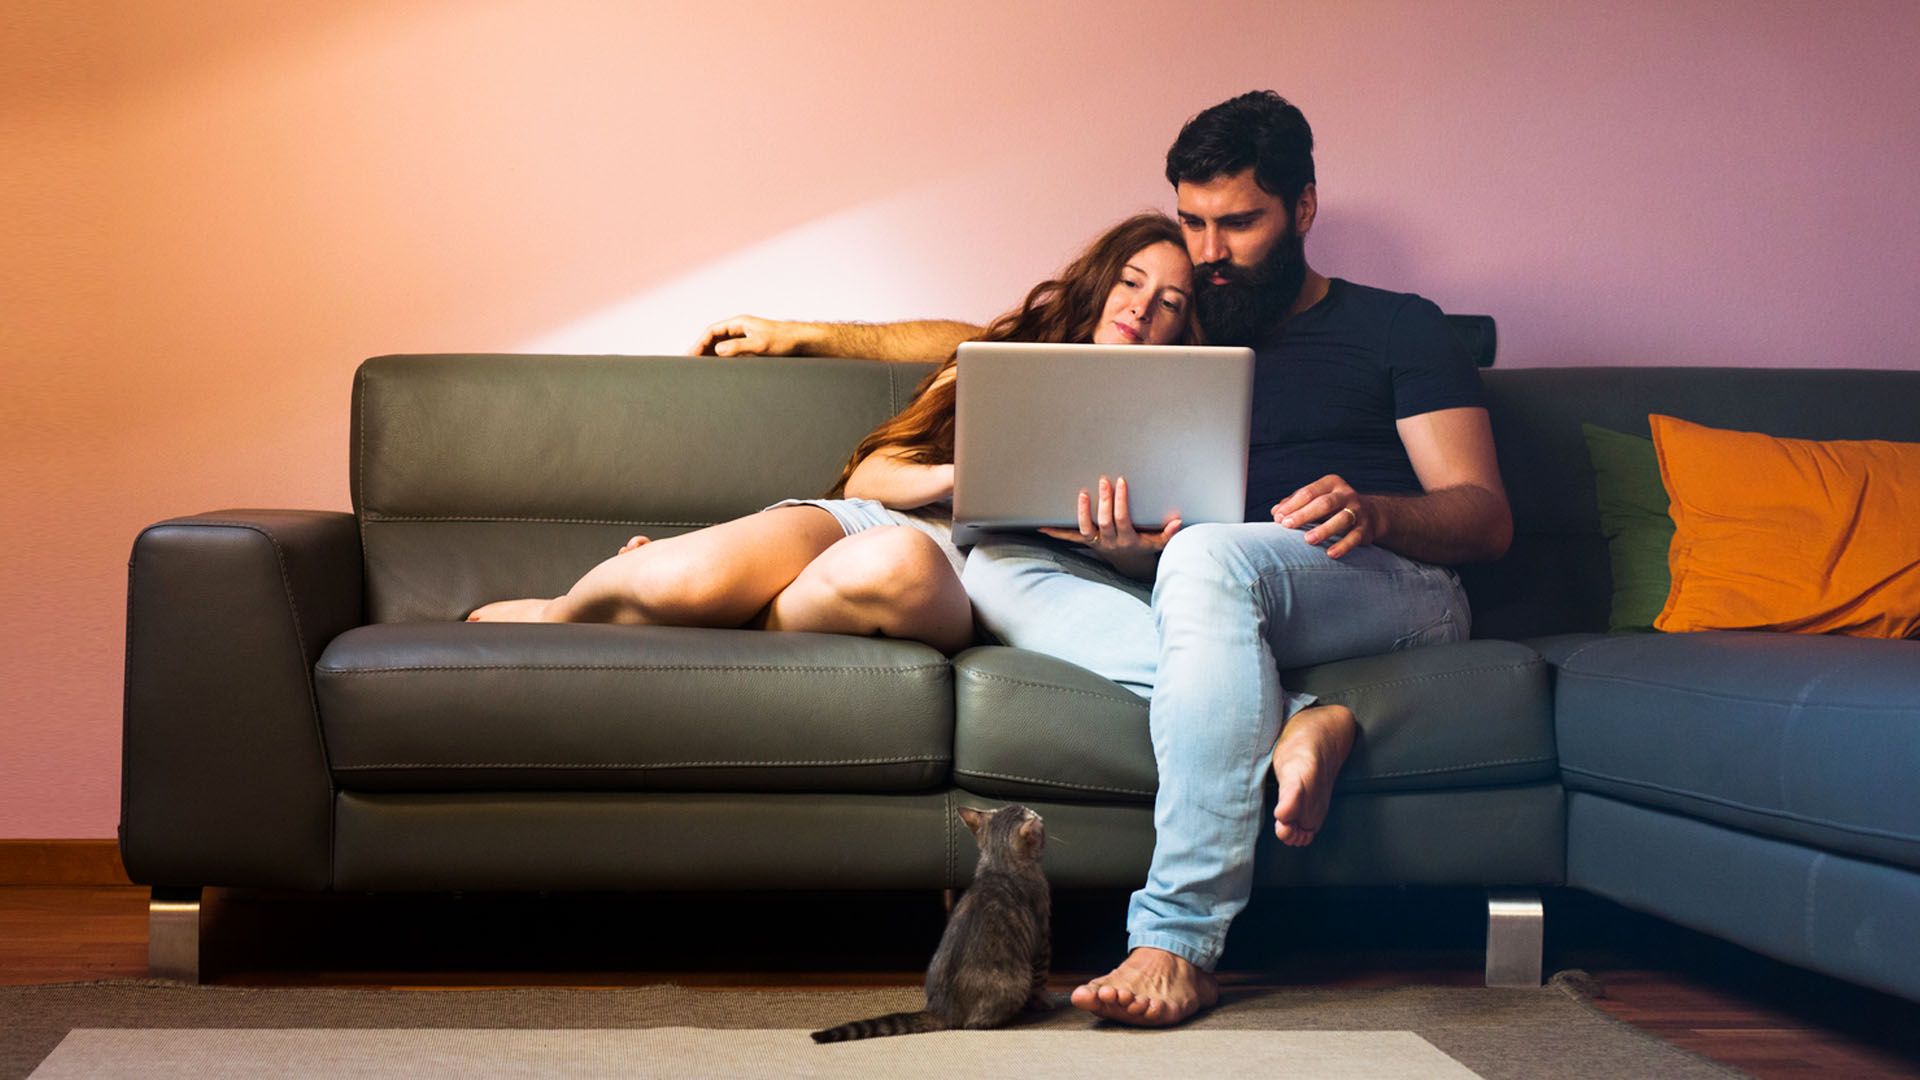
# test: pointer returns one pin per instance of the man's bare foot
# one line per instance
(1312, 747)
(528, 610)
(1150, 988)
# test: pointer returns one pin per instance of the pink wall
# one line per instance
(215, 209)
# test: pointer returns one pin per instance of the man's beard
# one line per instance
(1249, 307)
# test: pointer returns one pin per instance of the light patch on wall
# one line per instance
(936, 251)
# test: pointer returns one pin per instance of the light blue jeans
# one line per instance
(1230, 607)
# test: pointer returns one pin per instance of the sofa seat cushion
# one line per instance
(1803, 738)
(471, 707)
(1474, 714)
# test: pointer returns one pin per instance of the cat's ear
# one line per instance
(974, 819)
(1031, 832)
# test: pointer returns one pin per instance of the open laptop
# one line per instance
(1034, 424)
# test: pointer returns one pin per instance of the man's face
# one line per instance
(1248, 257)
(1230, 219)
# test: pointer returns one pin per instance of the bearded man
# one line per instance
(1371, 470)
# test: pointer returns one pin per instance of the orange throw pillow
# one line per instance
(1790, 534)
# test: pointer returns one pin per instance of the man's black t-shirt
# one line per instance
(1327, 390)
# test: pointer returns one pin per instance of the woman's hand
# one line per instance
(1106, 529)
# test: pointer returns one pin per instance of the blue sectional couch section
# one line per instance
(1761, 787)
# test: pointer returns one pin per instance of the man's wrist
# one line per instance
(809, 337)
(1380, 510)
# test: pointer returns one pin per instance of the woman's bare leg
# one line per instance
(722, 575)
(893, 581)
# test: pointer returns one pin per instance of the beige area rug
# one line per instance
(227, 1054)
(156, 1030)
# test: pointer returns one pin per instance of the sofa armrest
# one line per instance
(224, 775)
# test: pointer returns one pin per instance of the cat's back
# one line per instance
(998, 924)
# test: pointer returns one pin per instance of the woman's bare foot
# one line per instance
(531, 609)
(1312, 747)
(1150, 988)
(631, 544)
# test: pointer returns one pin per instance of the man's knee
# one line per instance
(1202, 560)
(1207, 550)
(1238, 548)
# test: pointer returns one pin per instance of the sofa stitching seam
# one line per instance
(1807, 901)
(1800, 819)
(1132, 701)
(1051, 783)
(1575, 654)
(634, 765)
(1438, 676)
(946, 831)
(1458, 768)
(1697, 692)
(822, 670)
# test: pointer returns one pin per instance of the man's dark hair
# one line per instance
(1259, 129)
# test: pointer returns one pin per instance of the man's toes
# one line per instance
(1294, 833)
(1103, 1000)
(1287, 806)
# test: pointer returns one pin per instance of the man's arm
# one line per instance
(1462, 517)
(746, 335)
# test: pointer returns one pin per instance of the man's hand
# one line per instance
(1106, 528)
(1332, 508)
(748, 335)
(917, 341)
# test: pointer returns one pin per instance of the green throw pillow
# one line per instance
(1633, 515)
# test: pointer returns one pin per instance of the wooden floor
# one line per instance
(1704, 995)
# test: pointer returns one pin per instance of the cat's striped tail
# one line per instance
(901, 1023)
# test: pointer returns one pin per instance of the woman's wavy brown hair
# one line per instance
(1062, 309)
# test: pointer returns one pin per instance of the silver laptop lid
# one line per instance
(1034, 424)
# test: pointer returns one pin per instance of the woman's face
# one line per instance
(1148, 305)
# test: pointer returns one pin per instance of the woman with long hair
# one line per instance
(875, 556)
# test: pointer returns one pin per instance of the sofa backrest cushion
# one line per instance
(481, 477)
(1555, 577)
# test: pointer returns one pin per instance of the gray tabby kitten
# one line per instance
(993, 957)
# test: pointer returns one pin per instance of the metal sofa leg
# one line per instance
(1516, 932)
(173, 935)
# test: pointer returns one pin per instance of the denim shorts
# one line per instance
(859, 515)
